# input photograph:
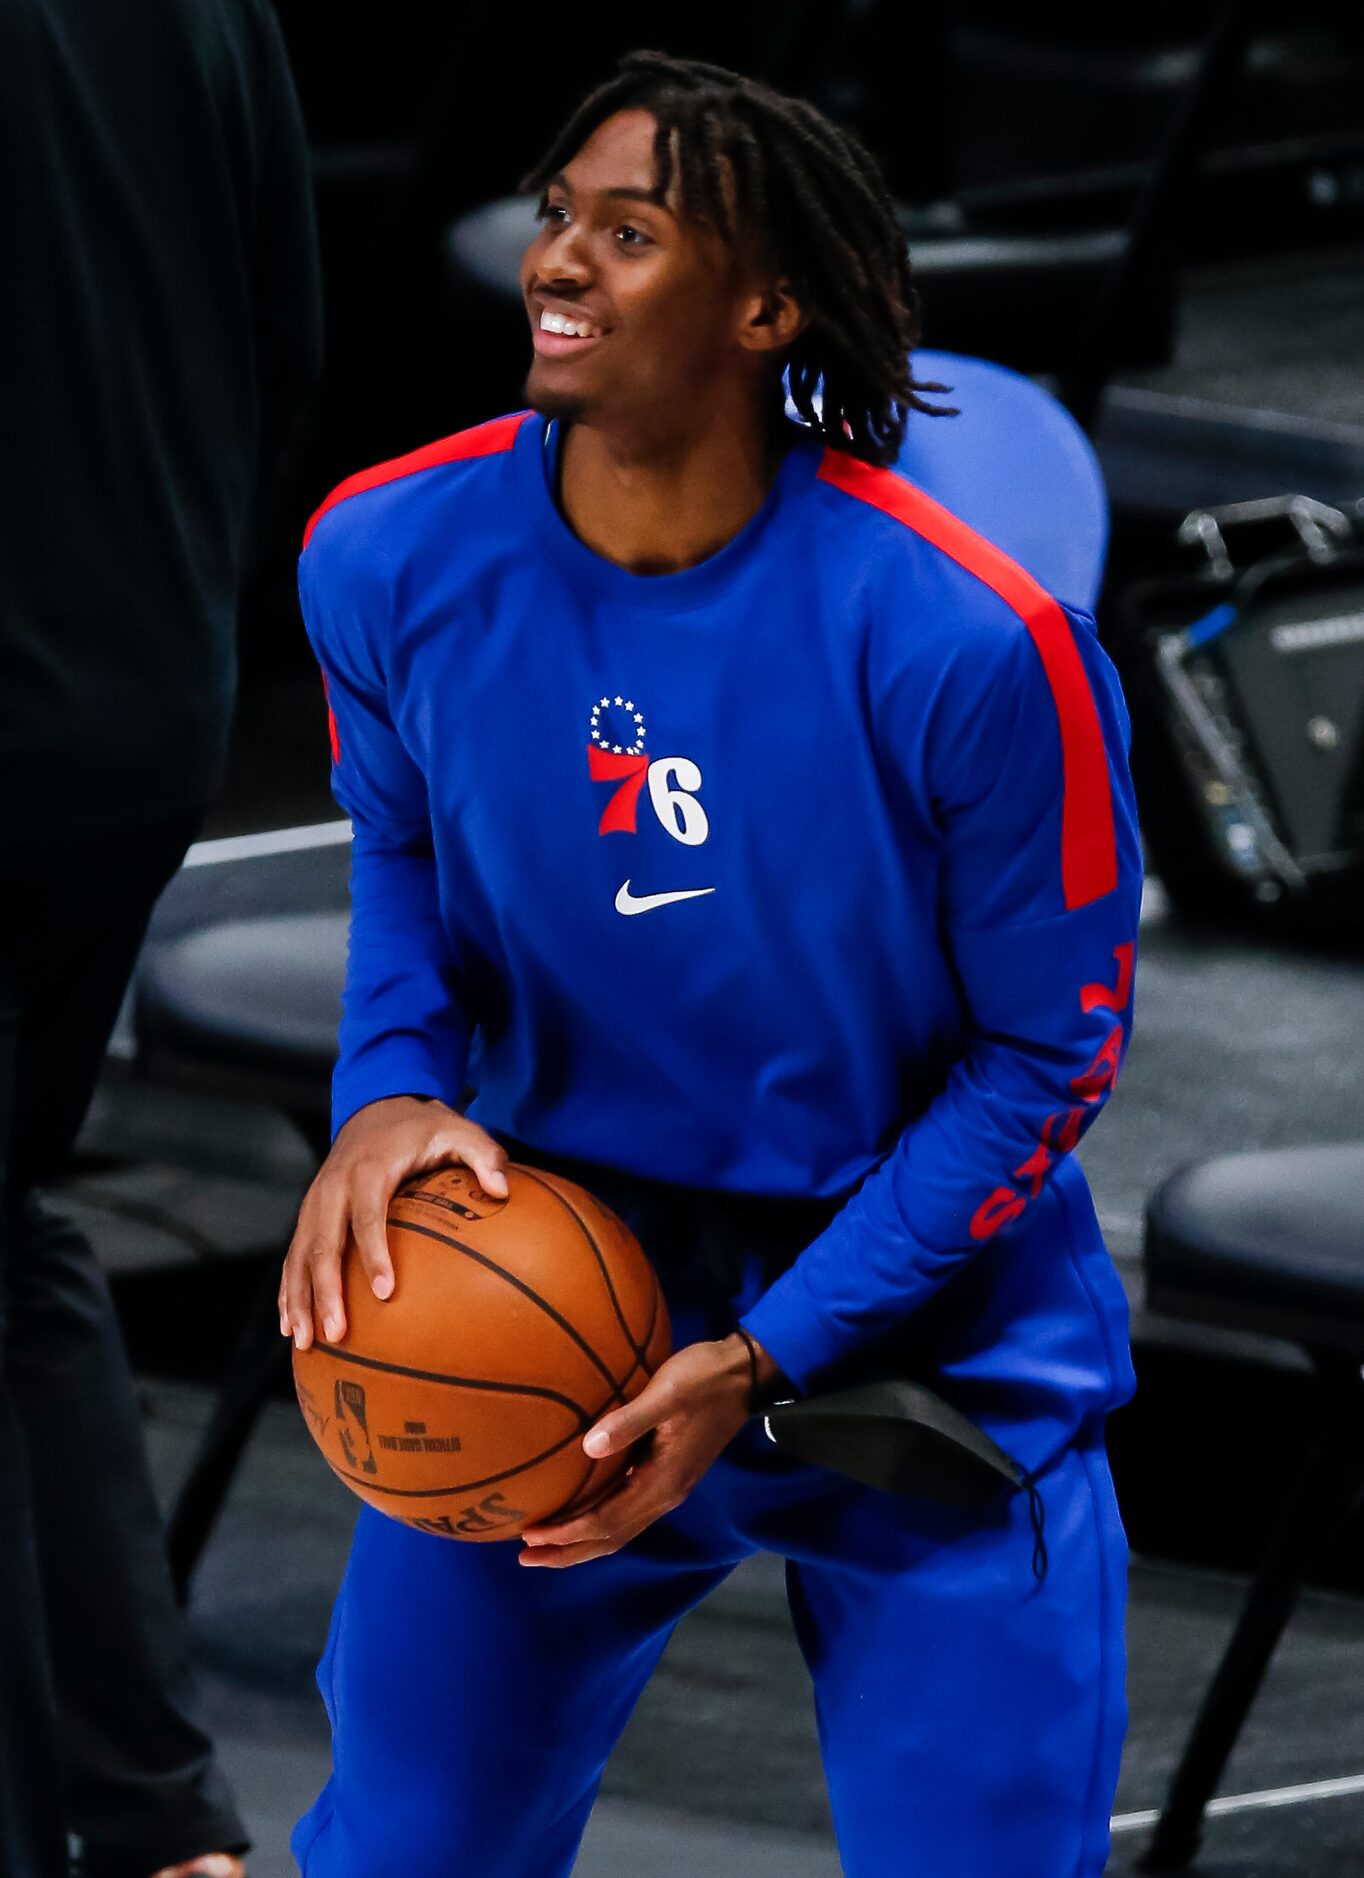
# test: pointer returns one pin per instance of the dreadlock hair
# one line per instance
(812, 199)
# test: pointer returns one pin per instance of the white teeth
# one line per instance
(556, 323)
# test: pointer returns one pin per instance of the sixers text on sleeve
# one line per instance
(1062, 1129)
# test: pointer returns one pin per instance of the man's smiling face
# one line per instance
(652, 298)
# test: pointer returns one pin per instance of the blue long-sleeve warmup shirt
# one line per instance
(815, 864)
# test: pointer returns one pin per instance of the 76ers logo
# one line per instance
(616, 754)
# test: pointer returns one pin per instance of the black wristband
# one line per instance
(766, 1395)
(752, 1369)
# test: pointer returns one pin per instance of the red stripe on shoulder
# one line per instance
(1089, 855)
(488, 439)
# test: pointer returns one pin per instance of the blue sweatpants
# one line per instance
(970, 1714)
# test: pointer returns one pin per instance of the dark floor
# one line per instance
(1281, 335)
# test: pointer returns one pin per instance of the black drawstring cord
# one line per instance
(1037, 1515)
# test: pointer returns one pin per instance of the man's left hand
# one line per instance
(688, 1412)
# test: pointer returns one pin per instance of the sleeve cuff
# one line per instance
(396, 1069)
(854, 1284)
(792, 1335)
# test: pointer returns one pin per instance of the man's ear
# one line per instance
(770, 318)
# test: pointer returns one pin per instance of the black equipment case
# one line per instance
(1244, 667)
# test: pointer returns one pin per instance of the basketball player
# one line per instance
(761, 842)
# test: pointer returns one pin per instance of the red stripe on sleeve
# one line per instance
(1089, 855)
(488, 439)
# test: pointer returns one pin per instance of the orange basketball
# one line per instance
(459, 1404)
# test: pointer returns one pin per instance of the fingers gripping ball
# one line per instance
(459, 1405)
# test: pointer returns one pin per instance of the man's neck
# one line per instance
(657, 507)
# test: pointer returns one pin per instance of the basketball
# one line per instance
(459, 1404)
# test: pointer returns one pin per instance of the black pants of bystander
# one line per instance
(96, 1738)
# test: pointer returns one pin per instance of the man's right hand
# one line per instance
(375, 1151)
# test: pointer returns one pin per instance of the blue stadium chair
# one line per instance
(1017, 467)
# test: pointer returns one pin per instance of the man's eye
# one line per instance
(639, 238)
(546, 210)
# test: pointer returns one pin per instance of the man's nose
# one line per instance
(566, 258)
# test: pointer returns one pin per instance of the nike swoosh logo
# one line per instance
(627, 902)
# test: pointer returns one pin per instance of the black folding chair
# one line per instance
(247, 1009)
(1270, 1242)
